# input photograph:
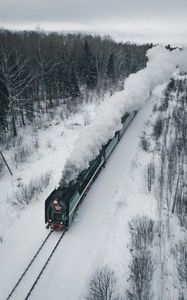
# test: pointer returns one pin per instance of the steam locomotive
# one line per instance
(69, 197)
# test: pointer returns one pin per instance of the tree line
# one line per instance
(166, 178)
(39, 70)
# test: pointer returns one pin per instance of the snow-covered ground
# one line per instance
(99, 234)
(54, 145)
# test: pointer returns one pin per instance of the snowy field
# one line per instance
(99, 235)
(54, 144)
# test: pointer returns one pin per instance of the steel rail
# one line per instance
(27, 268)
(46, 263)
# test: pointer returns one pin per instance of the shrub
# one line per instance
(27, 192)
(182, 261)
(86, 118)
(39, 123)
(1, 238)
(142, 232)
(18, 141)
(157, 128)
(35, 141)
(155, 108)
(102, 285)
(21, 154)
(165, 103)
(1, 166)
(150, 175)
(145, 143)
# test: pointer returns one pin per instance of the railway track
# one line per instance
(32, 273)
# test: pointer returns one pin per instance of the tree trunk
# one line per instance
(22, 118)
(14, 126)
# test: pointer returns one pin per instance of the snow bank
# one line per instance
(160, 67)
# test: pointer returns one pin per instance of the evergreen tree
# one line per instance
(110, 67)
(4, 103)
(90, 71)
(41, 68)
(74, 91)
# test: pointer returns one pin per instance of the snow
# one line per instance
(22, 228)
(99, 234)
(54, 145)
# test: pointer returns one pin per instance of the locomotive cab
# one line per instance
(56, 210)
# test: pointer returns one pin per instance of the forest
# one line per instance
(41, 71)
(158, 248)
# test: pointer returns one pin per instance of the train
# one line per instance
(61, 205)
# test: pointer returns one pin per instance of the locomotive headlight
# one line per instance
(61, 222)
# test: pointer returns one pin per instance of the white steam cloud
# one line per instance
(160, 68)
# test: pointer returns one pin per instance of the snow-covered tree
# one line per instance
(15, 81)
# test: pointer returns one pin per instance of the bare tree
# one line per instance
(142, 232)
(141, 272)
(158, 127)
(102, 285)
(182, 263)
(150, 175)
(144, 142)
(142, 265)
(16, 81)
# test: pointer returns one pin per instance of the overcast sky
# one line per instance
(138, 20)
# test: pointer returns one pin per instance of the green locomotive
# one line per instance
(59, 216)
